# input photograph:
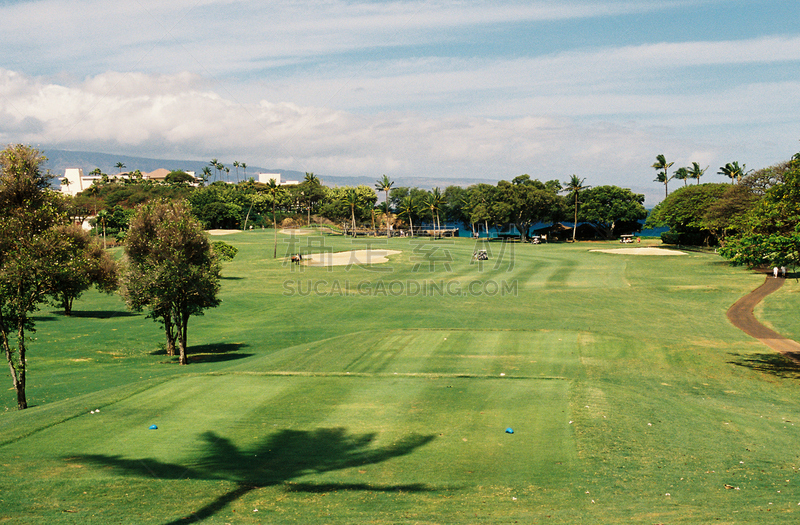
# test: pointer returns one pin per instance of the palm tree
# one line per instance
(311, 178)
(681, 174)
(274, 191)
(120, 166)
(574, 187)
(433, 201)
(206, 174)
(695, 172)
(733, 171)
(227, 172)
(408, 208)
(439, 200)
(351, 198)
(236, 165)
(214, 164)
(244, 167)
(662, 164)
(385, 185)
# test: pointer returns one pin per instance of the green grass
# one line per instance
(382, 394)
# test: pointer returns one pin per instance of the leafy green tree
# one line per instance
(611, 209)
(30, 252)
(574, 187)
(526, 202)
(120, 166)
(170, 269)
(224, 251)
(762, 180)
(684, 211)
(455, 204)
(662, 176)
(178, 177)
(727, 214)
(481, 204)
(84, 263)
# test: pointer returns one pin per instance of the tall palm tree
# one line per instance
(695, 172)
(236, 165)
(311, 178)
(681, 174)
(662, 176)
(384, 185)
(573, 187)
(351, 198)
(733, 170)
(439, 200)
(244, 167)
(408, 208)
(120, 166)
(214, 164)
(206, 174)
(432, 202)
(274, 191)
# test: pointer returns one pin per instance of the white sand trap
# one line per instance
(642, 251)
(354, 257)
(222, 232)
(292, 231)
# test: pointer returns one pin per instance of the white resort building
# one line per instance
(264, 178)
(74, 181)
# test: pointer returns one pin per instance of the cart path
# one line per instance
(741, 316)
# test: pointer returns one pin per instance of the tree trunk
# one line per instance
(575, 224)
(66, 302)
(275, 226)
(17, 376)
(169, 332)
(182, 336)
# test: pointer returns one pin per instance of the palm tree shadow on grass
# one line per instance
(280, 458)
(769, 363)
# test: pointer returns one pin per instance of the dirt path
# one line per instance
(741, 316)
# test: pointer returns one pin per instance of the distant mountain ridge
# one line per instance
(59, 160)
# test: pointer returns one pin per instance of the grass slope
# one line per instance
(381, 394)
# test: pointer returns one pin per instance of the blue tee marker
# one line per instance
(509, 430)
(153, 427)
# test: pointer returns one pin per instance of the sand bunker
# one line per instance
(642, 251)
(222, 232)
(293, 231)
(354, 257)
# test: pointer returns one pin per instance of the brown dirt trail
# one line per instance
(741, 316)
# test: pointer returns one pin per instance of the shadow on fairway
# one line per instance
(769, 363)
(211, 350)
(280, 458)
(101, 314)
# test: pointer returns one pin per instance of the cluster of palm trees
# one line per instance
(219, 168)
(661, 166)
(731, 170)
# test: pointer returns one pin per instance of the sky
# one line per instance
(484, 90)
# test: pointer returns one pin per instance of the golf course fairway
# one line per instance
(550, 384)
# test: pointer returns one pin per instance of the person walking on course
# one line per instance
(775, 272)
(783, 272)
